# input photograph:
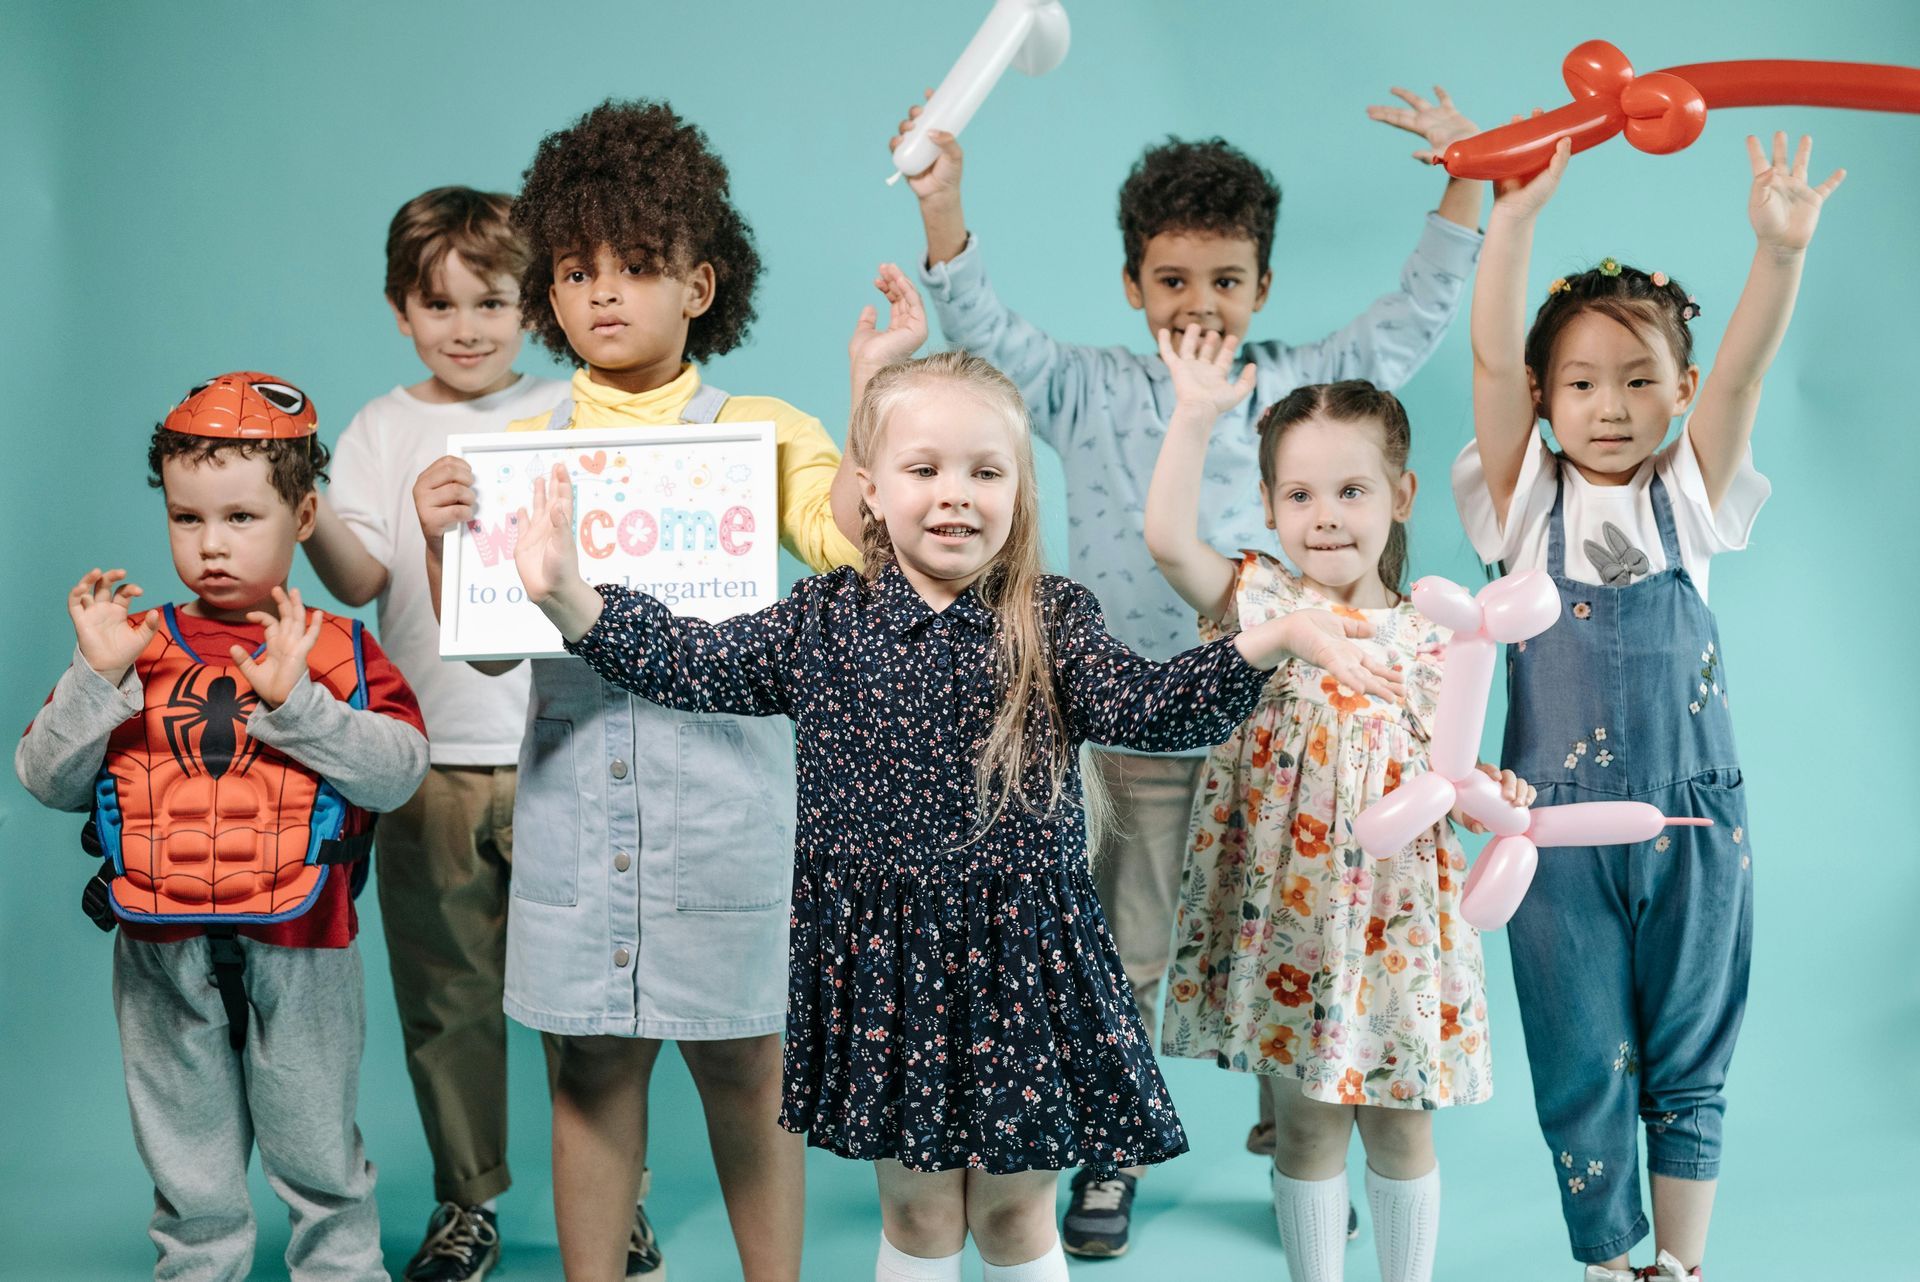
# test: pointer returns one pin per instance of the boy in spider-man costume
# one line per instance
(232, 750)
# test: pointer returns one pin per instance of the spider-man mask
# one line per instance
(246, 405)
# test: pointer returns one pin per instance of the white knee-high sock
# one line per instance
(1406, 1224)
(896, 1265)
(1313, 1226)
(1051, 1267)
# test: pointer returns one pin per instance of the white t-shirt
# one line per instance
(472, 719)
(1611, 535)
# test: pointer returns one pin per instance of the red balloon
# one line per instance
(1664, 111)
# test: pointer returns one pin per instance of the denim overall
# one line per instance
(653, 856)
(1630, 961)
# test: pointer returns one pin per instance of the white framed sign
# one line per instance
(688, 514)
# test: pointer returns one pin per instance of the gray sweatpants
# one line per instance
(199, 1107)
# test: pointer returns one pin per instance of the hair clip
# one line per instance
(1559, 286)
(1659, 280)
(1608, 267)
(1690, 310)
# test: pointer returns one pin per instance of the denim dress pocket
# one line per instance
(729, 852)
(546, 817)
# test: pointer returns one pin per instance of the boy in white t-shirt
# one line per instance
(453, 263)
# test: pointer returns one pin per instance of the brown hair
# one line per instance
(1620, 293)
(295, 465)
(1209, 186)
(639, 179)
(447, 220)
(1029, 724)
(1355, 401)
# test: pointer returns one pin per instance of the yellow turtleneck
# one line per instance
(807, 458)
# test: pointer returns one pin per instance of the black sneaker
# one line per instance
(644, 1261)
(463, 1245)
(1099, 1216)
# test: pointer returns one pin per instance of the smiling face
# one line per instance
(945, 480)
(1198, 278)
(1333, 502)
(628, 323)
(466, 330)
(231, 533)
(1611, 394)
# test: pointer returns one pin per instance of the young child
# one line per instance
(1349, 984)
(446, 856)
(231, 749)
(956, 1011)
(1626, 697)
(651, 843)
(1197, 226)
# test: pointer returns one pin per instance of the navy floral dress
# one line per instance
(952, 1003)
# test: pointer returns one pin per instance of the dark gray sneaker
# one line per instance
(644, 1261)
(463, 1245)
(1100, 1215)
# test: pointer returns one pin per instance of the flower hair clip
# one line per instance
(1559, 286)
(1608, 267)
(1659, 280)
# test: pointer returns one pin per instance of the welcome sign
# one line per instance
(687, 514)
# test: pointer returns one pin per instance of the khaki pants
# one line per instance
(444, 862)
(1137, 864)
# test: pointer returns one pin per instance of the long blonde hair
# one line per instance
(1029, 724)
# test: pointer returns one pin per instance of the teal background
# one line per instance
(193, 187)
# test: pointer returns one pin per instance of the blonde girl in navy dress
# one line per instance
(957, 1013)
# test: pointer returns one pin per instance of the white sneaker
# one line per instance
(1601, 1273)
(1668, 1269)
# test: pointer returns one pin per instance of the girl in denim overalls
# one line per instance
(1630, 961)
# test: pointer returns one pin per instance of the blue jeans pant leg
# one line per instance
(1572, 944)
(1692, 952)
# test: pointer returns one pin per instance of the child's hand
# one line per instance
(108, 640)
(1202, 371)
(1439, 122)
(940, 180)
(291, 636)
(1526, 197)
(443, 498)
(872, 348)
(1514, 790)
(1783, 208)
(1322, 638)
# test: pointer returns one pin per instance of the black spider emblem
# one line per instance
(215, 716)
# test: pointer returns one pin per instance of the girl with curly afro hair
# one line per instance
(627, 932)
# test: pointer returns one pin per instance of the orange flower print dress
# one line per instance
(1294, 952)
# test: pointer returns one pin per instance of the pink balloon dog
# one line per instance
(1510, 609)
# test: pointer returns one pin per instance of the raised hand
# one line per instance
(1439, 122)
(872, 348)
(941, 179)
(291, 636)
(1202, 371)
(443, 497)
(1526, 197)
(109, 640)
(1783, 208)
(544, 552)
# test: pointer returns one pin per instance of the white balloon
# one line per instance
(1029, 34)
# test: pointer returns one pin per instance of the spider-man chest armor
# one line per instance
(204, 823)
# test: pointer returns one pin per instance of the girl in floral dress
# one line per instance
(957, 1013)
(1348, 983)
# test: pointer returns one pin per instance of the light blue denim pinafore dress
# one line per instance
(653, 858)
(1630, 961)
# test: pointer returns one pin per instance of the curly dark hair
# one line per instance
(638, 178)
(1620, 293)
(296, 466)
(1207, 186)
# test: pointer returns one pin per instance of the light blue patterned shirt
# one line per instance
(1105, 410)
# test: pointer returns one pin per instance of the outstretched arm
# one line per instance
(1504, 408)
(1204, 388)
(1784, 211)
